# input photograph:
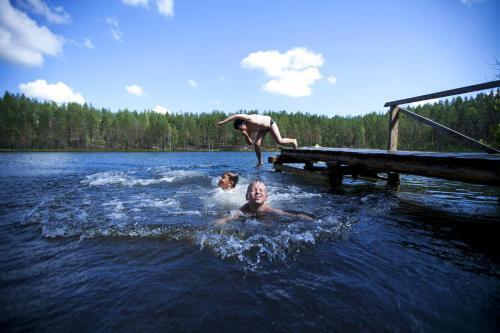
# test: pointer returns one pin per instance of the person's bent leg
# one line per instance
(259, 155)
(275, 132)
(258, 141)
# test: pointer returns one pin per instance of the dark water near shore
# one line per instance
(125, 242)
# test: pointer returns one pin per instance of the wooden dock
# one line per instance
(482, 168)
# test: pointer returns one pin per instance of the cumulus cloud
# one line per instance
(114, 28)
(165, 7)
(134, 90)
(331, 79)
(193, 83)
(290, 74)
(58, 92)
(53, 15)
(136, 3)
(88, 43)
(161, 109)
(22, 41)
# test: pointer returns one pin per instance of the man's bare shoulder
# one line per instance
(276, 211)
(245, 208)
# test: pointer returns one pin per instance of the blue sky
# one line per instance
(322, 57)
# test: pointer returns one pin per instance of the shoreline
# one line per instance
(102, 150)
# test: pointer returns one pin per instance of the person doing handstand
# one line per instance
(257, 126)
(256, 205)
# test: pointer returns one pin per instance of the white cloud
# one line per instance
(332, 79)
(293, 83)
(165, 7)
(22, 41)
(58, 92)
(161, 109)
(135, 90)
(114, 28)
(193, 83)
(291, 73)
(88, 43)
(54, 15)
(220, 77)
(136, 3)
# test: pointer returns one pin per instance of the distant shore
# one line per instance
(110, 150)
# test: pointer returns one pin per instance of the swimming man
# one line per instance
(257, 126)
(228, 180)
(256, 205)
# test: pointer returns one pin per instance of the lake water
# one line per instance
(126, 242)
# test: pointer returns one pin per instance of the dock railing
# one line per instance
(396, 109)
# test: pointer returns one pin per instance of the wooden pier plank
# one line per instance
(315, 176)
(470, 167)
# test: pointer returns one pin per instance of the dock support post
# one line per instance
(393, 180)
(308, 166)
(392, 177)
(335, 174)
(393, 128)
(275, 160)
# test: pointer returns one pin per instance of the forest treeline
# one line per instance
(27, 123)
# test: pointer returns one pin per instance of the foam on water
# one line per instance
(225, 200)
(145, 202)
(252, 241)
(188, 215)
(126, 179)
(188, 210)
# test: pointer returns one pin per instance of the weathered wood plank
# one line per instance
(280, 159)
(473, 157)
(318, 177)
(467, 140)
(446, 93)
(454, 166)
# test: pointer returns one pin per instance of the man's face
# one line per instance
(243, 128)
(257, 194)
(225, 182)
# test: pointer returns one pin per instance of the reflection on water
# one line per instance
(424, 258)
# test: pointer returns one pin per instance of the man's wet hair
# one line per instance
(233, 177)
(238, 122)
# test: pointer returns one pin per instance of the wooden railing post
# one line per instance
(393, 128)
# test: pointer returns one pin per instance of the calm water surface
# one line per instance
(125, 242)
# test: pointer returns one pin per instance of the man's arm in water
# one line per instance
(228, 218)
(285, 213)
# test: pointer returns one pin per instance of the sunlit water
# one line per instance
(126, 241)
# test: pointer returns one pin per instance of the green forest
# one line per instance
(27, 123)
